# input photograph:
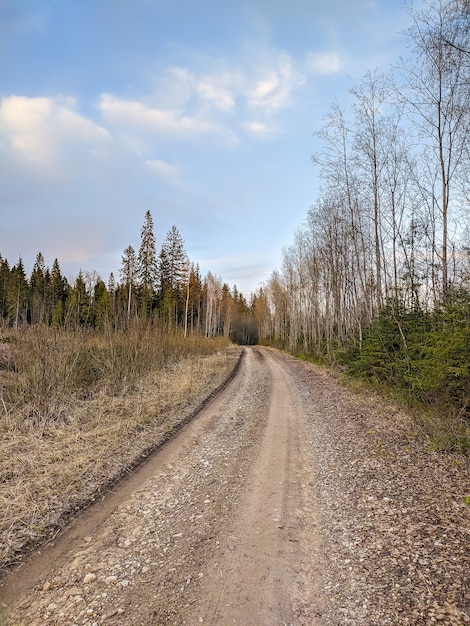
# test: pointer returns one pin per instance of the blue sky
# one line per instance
(202, 112)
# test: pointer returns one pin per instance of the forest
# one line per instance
(377, 280)
(163, 286)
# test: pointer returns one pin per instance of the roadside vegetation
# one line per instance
(376, 283)
(377, 279)
(79, 408)
(94, 376)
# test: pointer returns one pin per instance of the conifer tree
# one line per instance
(173, 262)
(128, 273)
(195, 299)
(37, 285)
(4, 281)
(78, 303)
(17, 295)
(102, 312)
(58, 293)
(147, 267)
(112, 289)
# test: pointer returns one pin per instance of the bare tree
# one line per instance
(437, 95)
(370, 156)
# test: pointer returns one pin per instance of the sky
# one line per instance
(202, 112)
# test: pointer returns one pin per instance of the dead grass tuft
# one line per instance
(82, 410)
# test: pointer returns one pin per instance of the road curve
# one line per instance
(214, 529)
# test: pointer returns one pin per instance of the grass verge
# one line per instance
(444, 429)
(66, 434)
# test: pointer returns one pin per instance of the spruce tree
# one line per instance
(128, 273)
(37, 285)
(4, 281)
(173, 266)
(78, 303)
(58, 293)
(147, 267)
(17, 295)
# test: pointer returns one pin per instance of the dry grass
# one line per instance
(78, 410)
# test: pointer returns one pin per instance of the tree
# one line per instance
(262, 314)
(369, 146)
(102, 307)
(128, 273)
(212, 293)
(173, 263)
(195, 303)
(341, 193)
(37, 285)
(58, 294)
(437, 95)
(227, 310)
(4, 281)
(78, 306)
(147, 266)
(17, 295)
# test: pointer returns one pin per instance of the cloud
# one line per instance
(41, 130)
(323, 63)
(189, 104)
(169, 122)
(220, 97)
(274, 90)
(265, 85)
(258, 129)
(166, 170)
(180, 86)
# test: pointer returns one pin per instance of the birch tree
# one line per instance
(437, 95)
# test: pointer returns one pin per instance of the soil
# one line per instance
(287, 500)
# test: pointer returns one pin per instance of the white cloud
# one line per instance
(191, 104)
(274, 90)
(179, 86)
(218, 96)
(323, 63)
(266, 86)
(168, 171)
(258, 129)
(133, 113)
(42, 129)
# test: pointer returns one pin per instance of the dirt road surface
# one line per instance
(284, 502)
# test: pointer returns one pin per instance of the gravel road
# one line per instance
(286, 501)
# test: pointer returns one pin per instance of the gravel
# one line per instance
(389, 513)
(394, 520)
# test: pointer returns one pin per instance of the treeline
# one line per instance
(378, 276)
(164, 286)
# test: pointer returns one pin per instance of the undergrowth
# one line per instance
(45, 370)
(79, 408)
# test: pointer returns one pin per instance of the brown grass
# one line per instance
(77, 410)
